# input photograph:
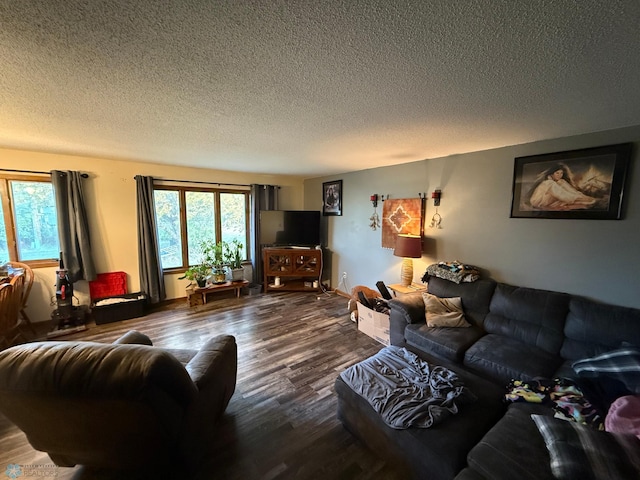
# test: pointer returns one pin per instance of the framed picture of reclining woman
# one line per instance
(581, 184)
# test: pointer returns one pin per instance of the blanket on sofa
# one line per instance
(405, 390)
(453, 271)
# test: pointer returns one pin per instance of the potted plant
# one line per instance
(214, 257)
(233, 258)
(197, 273)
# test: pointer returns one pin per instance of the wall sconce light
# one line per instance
(436, 197)
(407, 247)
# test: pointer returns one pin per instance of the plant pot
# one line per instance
(201, 282)
(237, 274)
(219, 277)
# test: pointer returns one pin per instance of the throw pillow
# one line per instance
(578, 451)
(624, 416)
(621, 364)
(444, 312)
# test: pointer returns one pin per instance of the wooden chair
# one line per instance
(10, 321)
(7, 301)
(28, 284)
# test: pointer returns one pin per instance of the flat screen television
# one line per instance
(290, 228)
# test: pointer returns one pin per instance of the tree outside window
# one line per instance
(187, 216)
(29, 231)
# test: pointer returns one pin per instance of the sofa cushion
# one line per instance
(444, 312)
(534, 317)
(565, 370)
(588, 329)
(579, 451)
(503, 359)
(438, 452)
(475, 296)
(513, 448)
(407, 391)
(445, 342)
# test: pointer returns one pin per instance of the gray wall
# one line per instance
(599, 259)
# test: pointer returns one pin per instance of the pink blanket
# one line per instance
(624, 416)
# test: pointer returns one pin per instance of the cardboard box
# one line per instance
(374, 324)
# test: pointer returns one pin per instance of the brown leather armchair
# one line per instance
(122, 405)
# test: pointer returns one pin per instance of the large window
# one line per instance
(187, 216)
(29, 231)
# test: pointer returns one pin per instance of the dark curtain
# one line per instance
(150, 265)
(263, 197)
(73, 226)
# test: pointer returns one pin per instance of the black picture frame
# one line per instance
(332, 198)
(576, 184)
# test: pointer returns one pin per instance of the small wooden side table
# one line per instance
(193, 295)
(399, 290)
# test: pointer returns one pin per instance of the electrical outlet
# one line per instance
(344, 275)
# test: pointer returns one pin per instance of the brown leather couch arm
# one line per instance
(133, 337)
(217, 355)
(213, 370)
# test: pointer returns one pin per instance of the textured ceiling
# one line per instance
(311, 87)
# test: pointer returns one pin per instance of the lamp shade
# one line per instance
(408, 246)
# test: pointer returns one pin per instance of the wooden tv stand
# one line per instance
(297, 269)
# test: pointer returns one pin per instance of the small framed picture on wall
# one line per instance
(332, 198)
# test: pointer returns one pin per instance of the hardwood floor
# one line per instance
(281, 422)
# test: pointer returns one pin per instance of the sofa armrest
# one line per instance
(213, 370)
(409, 309)
(133, 337)
(217, 358)
(402, 312)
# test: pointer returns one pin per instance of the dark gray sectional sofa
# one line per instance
(516, 333)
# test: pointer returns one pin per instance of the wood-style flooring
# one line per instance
(281, 422)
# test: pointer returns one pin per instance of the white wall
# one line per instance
(111, 204)
(598, 259)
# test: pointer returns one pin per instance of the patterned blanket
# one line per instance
(405, 390)
(561, 394)
(453, 271)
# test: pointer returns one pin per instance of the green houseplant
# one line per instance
(200, 272)
(197, 273)
(233, 258)
(214, 257)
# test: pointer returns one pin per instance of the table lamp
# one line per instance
(407, 247)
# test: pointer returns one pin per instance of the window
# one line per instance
(187, 216)
(29, 231)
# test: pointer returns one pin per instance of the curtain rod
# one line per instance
(83, 175)
(207, 183)
(201, 182)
